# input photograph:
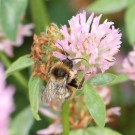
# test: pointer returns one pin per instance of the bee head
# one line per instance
(59, 72)
(68, 62)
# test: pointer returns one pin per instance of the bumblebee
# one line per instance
(62, 82)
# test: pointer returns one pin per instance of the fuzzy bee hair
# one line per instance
(62, 83)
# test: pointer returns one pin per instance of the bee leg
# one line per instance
(49, 69)
(64, 85)
(71, 92)
(81, 83)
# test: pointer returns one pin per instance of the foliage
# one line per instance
(35, 84)
(23, 119)
(13, 11)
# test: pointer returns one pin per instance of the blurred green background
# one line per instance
(41, 13)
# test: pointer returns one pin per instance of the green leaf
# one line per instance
(130, 2)
(119, 79)
(22, 123)
(35, 84)
(102, 79)
(19, 64)
(94, 131)
(11, 12)
(78, 92)
(130, 23)
(78, 132)
(18, 76)
(107, 6)
(101, 131)
(95, 105)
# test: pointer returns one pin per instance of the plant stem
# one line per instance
(18, 76)
(65, 117)
(39, 15)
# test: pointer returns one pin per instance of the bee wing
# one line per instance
(55, 91)
(47, 92)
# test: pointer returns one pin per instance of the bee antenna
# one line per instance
(80, 58)
(63, 50)
(66, 54)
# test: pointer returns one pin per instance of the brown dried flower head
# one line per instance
(42, 50)
(79, 115)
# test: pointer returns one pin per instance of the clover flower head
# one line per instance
(128, 66)
(6, 103)
(110, 112)
(42, 49)
(7, 45)
(56, 126)
(87, 38)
